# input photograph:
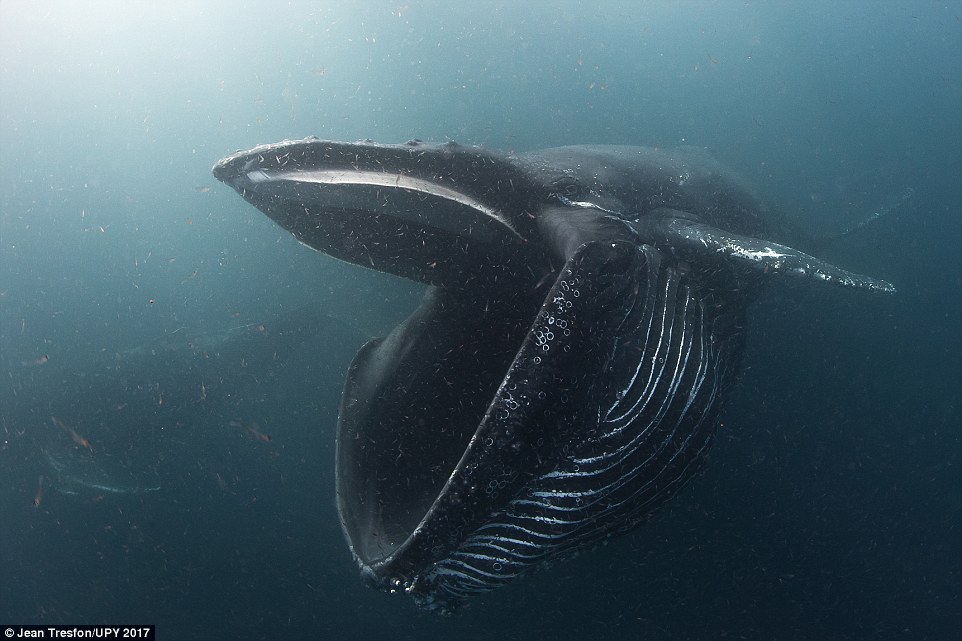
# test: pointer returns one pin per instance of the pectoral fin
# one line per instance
(692, 240)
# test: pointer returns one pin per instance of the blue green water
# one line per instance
(159, 317)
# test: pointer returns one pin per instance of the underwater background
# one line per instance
(171, 361)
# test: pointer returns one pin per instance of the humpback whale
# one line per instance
(561, 378)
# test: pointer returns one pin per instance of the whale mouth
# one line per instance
(417, 400)
(405, 418)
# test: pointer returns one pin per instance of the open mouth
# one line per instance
(420, 409)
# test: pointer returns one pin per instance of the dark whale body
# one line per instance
(561, 378)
